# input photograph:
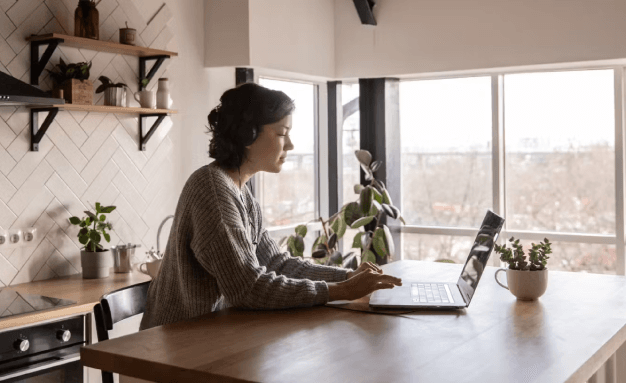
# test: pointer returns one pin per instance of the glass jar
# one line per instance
(86, 20)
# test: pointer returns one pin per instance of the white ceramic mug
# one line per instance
(151, 268)
(147, 99)
(526, 285)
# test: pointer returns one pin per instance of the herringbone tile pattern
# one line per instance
(85, 157)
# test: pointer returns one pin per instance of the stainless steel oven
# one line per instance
(45, 352)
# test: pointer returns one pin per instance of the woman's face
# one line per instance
(269, 150)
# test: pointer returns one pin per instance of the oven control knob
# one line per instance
(21, 344)
(64, 335)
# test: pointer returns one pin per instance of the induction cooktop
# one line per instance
(14, 303)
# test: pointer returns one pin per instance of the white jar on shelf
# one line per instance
(164, 101)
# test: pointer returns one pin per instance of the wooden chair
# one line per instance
(116, 306)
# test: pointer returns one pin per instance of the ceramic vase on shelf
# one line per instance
(86, 20)
(164, 101)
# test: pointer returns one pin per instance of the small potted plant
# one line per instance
(73, 79)
(95, 260)
(526, 280)
(375, 241)
(114, 93)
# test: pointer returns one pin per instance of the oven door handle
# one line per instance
(43, 365)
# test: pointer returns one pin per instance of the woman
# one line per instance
(218, 253)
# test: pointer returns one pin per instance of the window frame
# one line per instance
(320, 168)
(498, 164)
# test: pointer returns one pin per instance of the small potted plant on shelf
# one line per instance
(375, 241)
(73, 79)
(95, 260)
(114, 93)
(526, 280)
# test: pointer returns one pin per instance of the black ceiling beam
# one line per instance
(364, 9)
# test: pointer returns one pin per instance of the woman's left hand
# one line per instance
(365, 266)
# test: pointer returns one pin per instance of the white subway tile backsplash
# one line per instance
(31, 188)
(84, 157)
(32, 266)
(62, 141)
(97, 187)
(99, 160)
(67, 173)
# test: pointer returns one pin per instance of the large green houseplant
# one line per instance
(95, 259)
(374, 237)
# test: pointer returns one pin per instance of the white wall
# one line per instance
(227, 36)
(293, 35)
(419, 36)
(89, 157)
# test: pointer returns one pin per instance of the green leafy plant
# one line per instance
(516, 259)
(66, 72)
(373, 203)
(107, 83)
(89, 235)
(144, 82)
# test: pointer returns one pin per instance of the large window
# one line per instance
(557, 162)
(350, 143)
(289, 197)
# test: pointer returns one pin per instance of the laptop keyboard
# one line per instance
(429, 293)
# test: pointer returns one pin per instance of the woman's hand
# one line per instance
(365, 266)
(361, 284)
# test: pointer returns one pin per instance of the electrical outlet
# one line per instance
(15, 236)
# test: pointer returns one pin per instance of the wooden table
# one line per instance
(564, 337)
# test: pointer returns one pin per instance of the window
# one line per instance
(289, 197)
(446, 151)
(558, 156)
(351, 142)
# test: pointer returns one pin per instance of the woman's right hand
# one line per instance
(361, 284)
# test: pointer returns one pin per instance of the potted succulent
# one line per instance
(526, 280)
(114, 93)
(73, 79)
(95, 260)
(375, 241)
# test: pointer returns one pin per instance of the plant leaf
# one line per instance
(358, 188)
(94, 236)
(341, 230)
(352, 213)
(83, 239)
(107, 237)
(318, 254)
(336, 258)
(108, 209)
(387, 210)
(366, 200)
(375, 165)
(91, 215)
(389, 241)
(301, 230)
(368, 256)
(74, 220)
(396, 211)
(378, 240)
(377, 196)
(299, 243)
(332, 241)
(386, 197)
(319, 240)
(402, 219)
(356, 242)
(365, 239)
(102, 218)
(361, 222)
(364, 157)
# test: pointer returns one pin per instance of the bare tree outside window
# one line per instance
(288, 197)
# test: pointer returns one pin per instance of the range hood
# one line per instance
(14, 92)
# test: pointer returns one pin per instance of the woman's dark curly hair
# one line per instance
(239, 118)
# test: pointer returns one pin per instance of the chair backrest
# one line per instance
(117, 306)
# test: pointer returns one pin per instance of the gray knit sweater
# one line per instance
(219, 255)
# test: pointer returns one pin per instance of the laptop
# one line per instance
(443, 295)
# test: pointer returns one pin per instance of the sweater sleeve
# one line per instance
(223, 248)
(269, 255)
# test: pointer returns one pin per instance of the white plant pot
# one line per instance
(96, 264)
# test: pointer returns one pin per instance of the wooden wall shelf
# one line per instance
(52, 41)
(108, 109)
(101, 46)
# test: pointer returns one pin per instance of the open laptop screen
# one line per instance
(479, 254)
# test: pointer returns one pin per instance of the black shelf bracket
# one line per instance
(38, 64)
(37, 133)
(142, 68)
(143, 140)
